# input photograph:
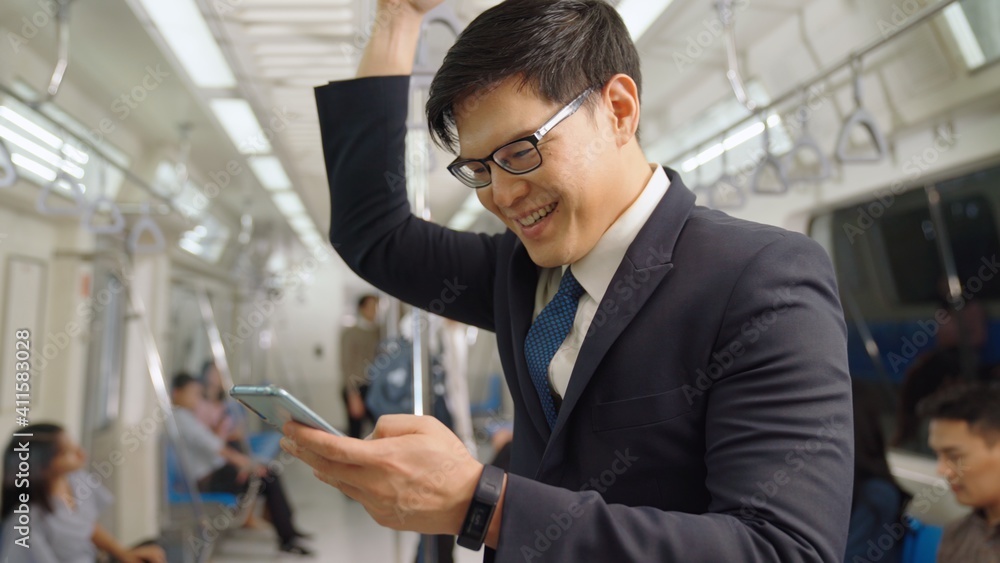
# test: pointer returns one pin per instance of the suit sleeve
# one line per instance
(779, 441)
(449, 273)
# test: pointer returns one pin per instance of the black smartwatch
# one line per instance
(481, 509)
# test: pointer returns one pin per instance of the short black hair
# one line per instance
(182, 380)
(557, 47)
(978, 404)
(366, 297)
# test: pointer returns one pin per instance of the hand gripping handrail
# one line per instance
(863, 117)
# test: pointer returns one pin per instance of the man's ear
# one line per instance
(621, 98)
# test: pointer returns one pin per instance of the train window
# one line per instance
(913, 253)
(207, 240)
(106, 352)
(976, 27)
(903, 337)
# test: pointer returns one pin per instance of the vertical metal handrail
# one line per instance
(967, 360)
(218, 349)
(154, 362)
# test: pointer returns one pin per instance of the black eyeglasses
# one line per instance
(517, 157)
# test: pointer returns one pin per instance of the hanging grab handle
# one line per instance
(806, 142)
(117, 223)
(145, 225)
(863, 117)
(8, 175)
(769, 161)
(76, 190)
(726, 187)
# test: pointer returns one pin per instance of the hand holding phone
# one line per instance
(276, 406)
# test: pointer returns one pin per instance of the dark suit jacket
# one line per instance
(708, 417)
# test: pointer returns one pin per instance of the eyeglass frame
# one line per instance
(535, 138)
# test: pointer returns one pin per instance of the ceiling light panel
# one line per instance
(288, 203)
(288, 30)
(183, 27)
(297, 15)
(240, 123)
(270, 172)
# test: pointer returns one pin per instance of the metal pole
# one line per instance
(966, 358)
(154, 362)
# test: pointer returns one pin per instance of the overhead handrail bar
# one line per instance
(769, 161)
(733, 73)
(129, 175)
(806, 142)
(860, 116)
(8, 174)
(825, 73)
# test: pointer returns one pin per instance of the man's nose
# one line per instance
(508, 188)
(945, 469)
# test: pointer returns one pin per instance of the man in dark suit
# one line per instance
(679, 377)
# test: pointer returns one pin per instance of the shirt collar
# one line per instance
(596, 270)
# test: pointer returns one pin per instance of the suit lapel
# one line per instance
(523, 282)
(647, 262)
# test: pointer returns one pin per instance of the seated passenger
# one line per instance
(220, 468)
(965, 435)
(878, 501)
(63, 505)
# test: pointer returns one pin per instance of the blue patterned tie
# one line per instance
(546, 336)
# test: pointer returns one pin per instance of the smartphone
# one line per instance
(276, 406)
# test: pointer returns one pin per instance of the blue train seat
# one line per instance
(921, 542)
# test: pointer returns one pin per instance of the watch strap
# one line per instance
(481, 509)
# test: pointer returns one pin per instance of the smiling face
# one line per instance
(592, 168)
(969, 461)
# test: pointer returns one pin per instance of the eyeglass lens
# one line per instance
(518, 157)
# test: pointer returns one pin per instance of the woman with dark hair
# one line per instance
(878, 501)
(62, 506)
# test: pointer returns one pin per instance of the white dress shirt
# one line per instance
(594, 272)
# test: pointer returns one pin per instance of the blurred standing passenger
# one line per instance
(358, 346)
